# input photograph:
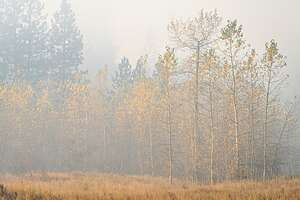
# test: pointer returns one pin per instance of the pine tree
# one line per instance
(66, 45)
(139, 72)
(124, 76)
(23, 40)
(9, 24)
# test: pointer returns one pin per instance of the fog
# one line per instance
(204, 91)
(136, 27)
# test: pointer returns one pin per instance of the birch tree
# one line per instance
(234, 51)
(165, 66)
(273, 63)
(196, 35)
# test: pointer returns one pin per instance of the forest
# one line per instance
(209, 109)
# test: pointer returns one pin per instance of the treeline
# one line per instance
(36, 48)
(209, 110)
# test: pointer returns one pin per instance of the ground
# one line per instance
(82, 186)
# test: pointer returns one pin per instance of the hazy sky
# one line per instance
(132, 28)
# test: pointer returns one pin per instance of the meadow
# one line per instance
(88, 186)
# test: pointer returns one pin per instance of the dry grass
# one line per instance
(55, 186)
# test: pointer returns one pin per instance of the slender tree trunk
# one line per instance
(236, 117)
(170, 145)
(236, 131)
(266, 125)
(252, 132)
(196, 122)
(141, 149)
(151, 151)
(212, 136)
(169, 121)
(104, 148)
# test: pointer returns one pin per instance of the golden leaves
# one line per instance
(16, 95)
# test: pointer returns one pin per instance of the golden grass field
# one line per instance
(80, 186)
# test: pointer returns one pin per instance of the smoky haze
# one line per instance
(178, 89)
(136, 27)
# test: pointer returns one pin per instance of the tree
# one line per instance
(23, 40)
(103, 111)
(141, 104)
(273, 63)
(77, 116)
(165, 66)
(254, 92)
(66, 45)
(196, 35)
(123, 78)
(211, 64)
(122, 82)
(232, 36)
(139, 73)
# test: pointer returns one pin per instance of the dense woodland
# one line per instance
(207, 110)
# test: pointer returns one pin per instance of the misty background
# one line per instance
(132, 28)
(213, 109)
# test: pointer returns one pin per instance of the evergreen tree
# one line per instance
(139, 73)
(9, 24)
(66, 43)
(124, 76)
(23, 40)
